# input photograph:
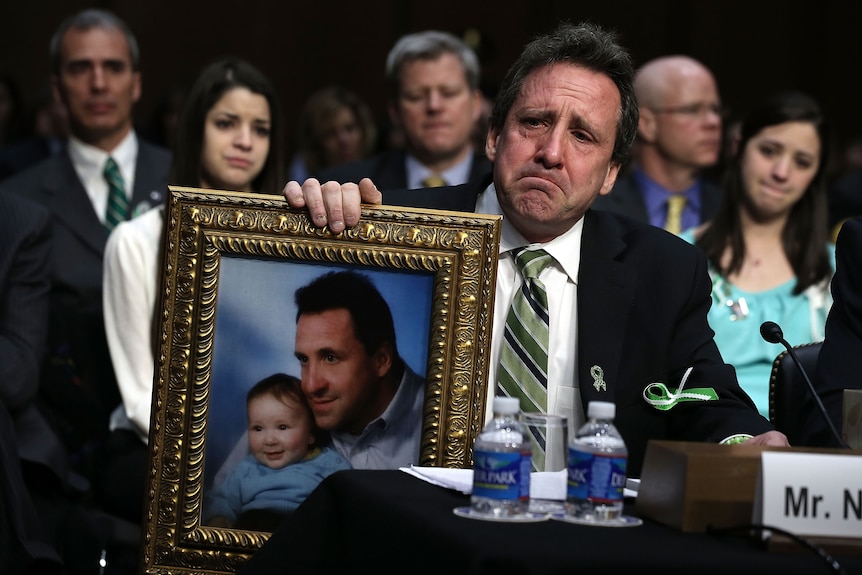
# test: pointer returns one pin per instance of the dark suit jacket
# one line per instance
(388, 170)
(845, 198)
(839, 363)
(76, 337)
(626, 198)
(24, 296)
(643, 297)
(24, 547)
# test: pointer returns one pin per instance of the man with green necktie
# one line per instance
(105, 175)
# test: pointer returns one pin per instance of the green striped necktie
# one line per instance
(118, 203)
(523, 370)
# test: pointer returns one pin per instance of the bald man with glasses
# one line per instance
(679, 138)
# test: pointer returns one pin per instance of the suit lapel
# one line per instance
(149, 190)
(72, 206)
(606, 290)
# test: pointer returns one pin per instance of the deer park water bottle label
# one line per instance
(501, 475)
(595, 476)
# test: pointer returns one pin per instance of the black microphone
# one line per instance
(771, 332)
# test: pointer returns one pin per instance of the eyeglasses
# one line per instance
(695, 111)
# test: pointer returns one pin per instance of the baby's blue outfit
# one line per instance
(253, 485)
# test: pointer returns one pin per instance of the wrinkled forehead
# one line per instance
(569, 85)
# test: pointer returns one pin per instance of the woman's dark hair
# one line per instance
(806, 233)
(213, 82)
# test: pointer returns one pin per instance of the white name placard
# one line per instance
(810, 494)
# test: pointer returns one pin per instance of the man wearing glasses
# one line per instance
(679, 137)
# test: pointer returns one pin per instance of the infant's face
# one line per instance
(279, 432)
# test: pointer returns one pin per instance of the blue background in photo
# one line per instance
(255, 328)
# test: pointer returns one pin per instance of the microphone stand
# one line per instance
(772, 333)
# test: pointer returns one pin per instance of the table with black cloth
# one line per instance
(391, 522)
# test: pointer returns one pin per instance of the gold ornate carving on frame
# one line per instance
(458, 249)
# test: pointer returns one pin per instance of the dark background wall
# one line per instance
(753, 46)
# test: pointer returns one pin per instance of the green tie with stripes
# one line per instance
(523, 370)
(118, 203)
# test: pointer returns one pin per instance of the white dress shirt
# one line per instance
(130, 288)
(561, 284)
(89, 163)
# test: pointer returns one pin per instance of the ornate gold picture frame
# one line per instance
(215, 237)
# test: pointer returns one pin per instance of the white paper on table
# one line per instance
(451, 478)
(543, 484)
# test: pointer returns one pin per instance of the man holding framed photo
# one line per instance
(628, 301)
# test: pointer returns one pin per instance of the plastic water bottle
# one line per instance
(502, 458)
(597, 467)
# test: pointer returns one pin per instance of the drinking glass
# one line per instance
(549, 437)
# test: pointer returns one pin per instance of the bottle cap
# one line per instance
(506, 405)
(601, 410)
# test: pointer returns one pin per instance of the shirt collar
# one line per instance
(655, 195)
(457, 174)
(398, 406)
(565, 248)
(89, 160)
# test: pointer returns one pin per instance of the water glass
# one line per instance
(549, 438)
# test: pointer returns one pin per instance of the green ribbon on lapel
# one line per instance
(664, 398)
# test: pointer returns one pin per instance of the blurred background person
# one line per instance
(229, 137)
(679, 138)
(335, 127)
(104, 175)
(49, 129)
(432, 79)
(768, 246)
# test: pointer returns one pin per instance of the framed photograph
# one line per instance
(233, 263)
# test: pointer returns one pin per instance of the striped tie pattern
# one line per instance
(523, 370)
(118, 203)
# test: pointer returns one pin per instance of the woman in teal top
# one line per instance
(768, 245)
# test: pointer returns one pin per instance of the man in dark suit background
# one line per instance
(24, 432)
(838, 364)
(432, 79)
(95, 73)
(678, 139)
(628, 302)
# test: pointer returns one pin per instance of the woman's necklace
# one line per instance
(738, 307)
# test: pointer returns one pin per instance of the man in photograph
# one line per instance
(360, 389)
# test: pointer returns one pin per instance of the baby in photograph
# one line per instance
(285, 463)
